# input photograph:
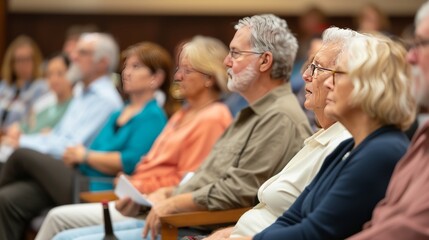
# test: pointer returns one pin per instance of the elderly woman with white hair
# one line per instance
(370, 95)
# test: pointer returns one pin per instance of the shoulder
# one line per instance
(286, 106)
(387, 143)
(215, 112)
(108, 96)
(383, 150)
(153, 111)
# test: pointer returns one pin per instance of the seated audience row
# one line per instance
(359, 96)
(357, 85)
(230, 176)
(131, 133)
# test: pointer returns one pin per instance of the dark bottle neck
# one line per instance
(108, 230)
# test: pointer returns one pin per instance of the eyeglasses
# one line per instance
(84, 52)
(313, 68)
(237, 53)
(417, 43)
(187, 71)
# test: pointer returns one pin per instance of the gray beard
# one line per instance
(74, 74)
(420, 87)
(240, 82)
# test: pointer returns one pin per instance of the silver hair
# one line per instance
(105, 47)
(340, 37)
(422, 13)
(271, 33)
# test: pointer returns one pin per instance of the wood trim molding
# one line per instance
(218, 7)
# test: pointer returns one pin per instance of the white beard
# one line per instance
(74, 74)
(240, 82)
(420, 87)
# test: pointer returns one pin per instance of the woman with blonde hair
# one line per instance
(20, 86)
(370, 95)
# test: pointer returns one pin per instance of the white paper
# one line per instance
(125, 188)
(186, 178)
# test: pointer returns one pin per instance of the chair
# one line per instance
(170, 224)
(91, 197)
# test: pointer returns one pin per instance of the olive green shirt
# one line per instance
(257, 145)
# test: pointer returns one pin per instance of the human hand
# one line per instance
(74, 155)
(159, 195)
(13, 131)
(12, 142)
(153, 222)
(118, 175)
(127, 207)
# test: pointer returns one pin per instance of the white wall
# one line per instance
(209, 7)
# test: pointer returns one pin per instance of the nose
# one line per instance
(73, 55)
(412, 56)
(126, 71)
(329, 83)
(178, 76)
(227, 61)
(307, 76)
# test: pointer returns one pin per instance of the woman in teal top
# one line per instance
(128, 134)
(131, 140)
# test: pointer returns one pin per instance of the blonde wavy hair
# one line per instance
(206, 54)
(380, 75)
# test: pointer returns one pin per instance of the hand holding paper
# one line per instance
(124, 188)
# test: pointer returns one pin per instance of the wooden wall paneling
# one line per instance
(49, 29)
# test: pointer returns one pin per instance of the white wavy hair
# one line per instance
(271, 33)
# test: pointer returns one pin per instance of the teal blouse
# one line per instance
(132, 140)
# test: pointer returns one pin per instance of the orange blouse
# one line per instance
(180, 149)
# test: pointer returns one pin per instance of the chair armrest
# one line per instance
(91, 197)
(203, 217)
(171, 223)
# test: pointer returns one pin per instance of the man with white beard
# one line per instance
(404, 212)
(258, 144)
(95, 58)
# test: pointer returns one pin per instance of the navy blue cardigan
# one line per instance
(341, 197)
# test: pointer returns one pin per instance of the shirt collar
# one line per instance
(325, 136)
(261, 105)
(99, 84)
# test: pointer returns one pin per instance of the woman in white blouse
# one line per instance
(278, 193)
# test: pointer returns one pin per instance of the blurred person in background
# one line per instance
(46, 119)
(127, 135)
(95, 57)
(43, 120)
(95, 98)
(21, 85)
(371, 19)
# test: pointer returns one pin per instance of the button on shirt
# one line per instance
(88, 111)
